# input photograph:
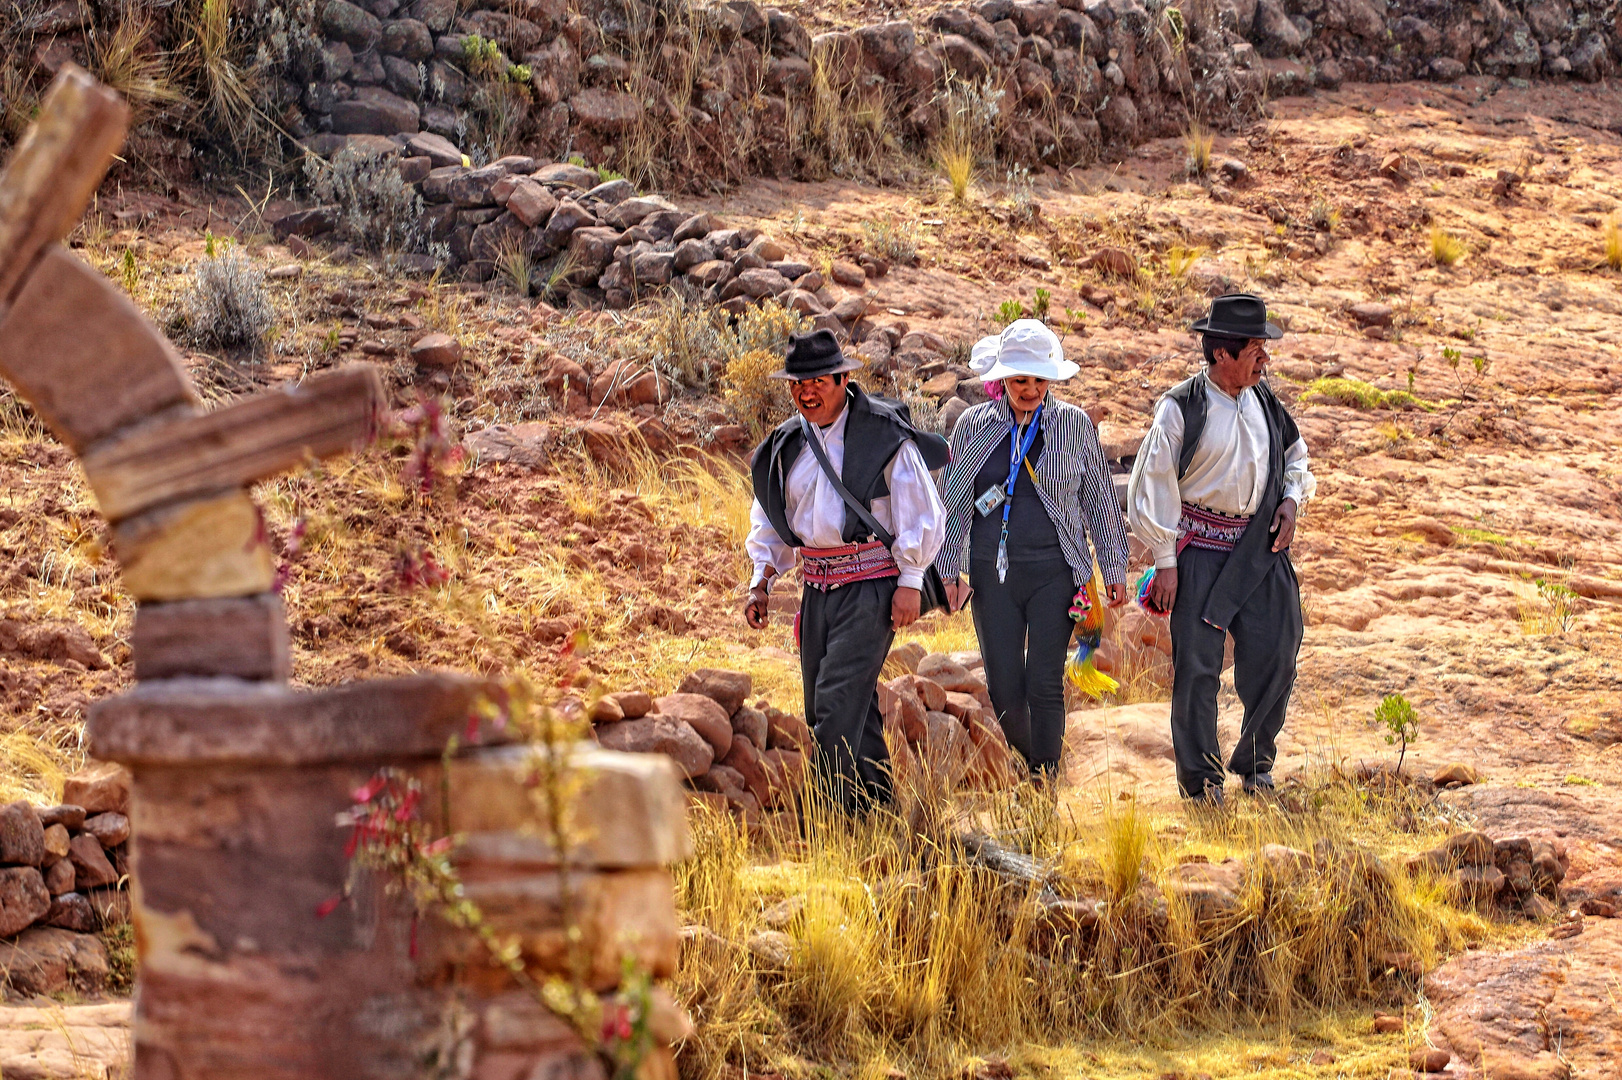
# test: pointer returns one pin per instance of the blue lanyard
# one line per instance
(1017, 449)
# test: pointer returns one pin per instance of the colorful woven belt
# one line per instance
(829, 568)
(1208, 529)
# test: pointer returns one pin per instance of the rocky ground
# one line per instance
(1462, 549)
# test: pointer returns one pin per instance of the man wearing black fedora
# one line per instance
(1214, 493)
(843, 489)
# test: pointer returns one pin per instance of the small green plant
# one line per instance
(1400, 721)
(1198, 142)
(1075, 317)
(1613, 244)
(1553, 612)
(1008, 311)
(893, 239)
(1043, 301)
(1361, 395)
(130, 271)
(605, 174)
(1446, 249)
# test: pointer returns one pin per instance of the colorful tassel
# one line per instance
(1145, 583)
(1089, 616)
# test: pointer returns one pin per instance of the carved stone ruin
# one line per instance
(239, 779)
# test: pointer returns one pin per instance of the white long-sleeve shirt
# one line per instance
(1228, 472)
(912, 511)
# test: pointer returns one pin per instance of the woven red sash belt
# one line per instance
(829, 568)
(1208, 529)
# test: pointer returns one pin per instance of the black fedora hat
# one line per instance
(814, 354)
(1238, 315)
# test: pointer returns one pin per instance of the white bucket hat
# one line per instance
(1025, 347)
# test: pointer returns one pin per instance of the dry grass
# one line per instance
(1445, 248)
(226, 85)
(1613, 244)
(1198, 143)
(956, 162)
(907, 953)
(127, 59)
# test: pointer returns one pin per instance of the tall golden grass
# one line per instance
(904, 952)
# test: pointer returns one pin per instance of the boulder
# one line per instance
(407, 39)
(350, 24)
(524, 446)
(751, 724)
(55, 840)
(90, 866)
(907, 656)
(747, 760)
(632, 211)
(23, 897)
(660, 734)
(726, 688)
(930, 691)
(437, 352)
(60, 877)
(605, 710)
(608, 112)
(591, 248)
(72, 911)
(634, 704)
(22, 837)
(703, 715)
(949, 674)
(962, 57)
(436, 148)
(375, 111)
(567, 174)
(530, 202)
(902, 706)
(110, 829)
(45, 960)
(756, 284)
(1455, 774)
(100, 787)
(612, 192)
(787, 732)
(1210, 889)
(788, 770)
(69, 817)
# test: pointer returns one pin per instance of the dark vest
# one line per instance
(1253, 556)
(875, 430)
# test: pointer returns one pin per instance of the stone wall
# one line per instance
(734, 86)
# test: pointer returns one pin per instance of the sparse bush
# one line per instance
(766, 327)
(1361, 395)
(1323, 215)
(377, 209)
(1042, 304)
(956, 161)
(926, 413)
(226, 303)
(128, 61)
(893, 239)
(1613, 244)
(1023, 208)
(1552, 611)
(226, 84)
(689, 341)
(756, 399)
(1198, 142)
(1446, 249)
(1008, 311)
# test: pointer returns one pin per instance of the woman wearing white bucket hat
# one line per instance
(1027, 486)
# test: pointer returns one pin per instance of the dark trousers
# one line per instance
(845, 637)
(1024, 627)
(1266, 638)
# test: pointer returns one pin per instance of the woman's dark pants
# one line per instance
(1024, 627)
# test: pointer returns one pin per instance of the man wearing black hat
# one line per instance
(862, 551)
(1214, 494)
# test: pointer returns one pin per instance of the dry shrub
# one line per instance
(377, 209)
(1446, 249)
(755, 398)
(226, 303)
(1613, 244)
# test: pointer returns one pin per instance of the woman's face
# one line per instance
(1025, 392)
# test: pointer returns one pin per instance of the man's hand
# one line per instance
(1114, 595)
(957, 593)
(904, 608)
(1283, 525)
(757, 611)
(1163, 589)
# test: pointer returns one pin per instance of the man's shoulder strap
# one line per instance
(1190, 397)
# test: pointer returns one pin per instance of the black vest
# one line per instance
(1253, 556)
(874, 431)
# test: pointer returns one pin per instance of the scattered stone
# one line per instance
(751, 724)
(605, 710)
(786, 732)
(771, 950)
(1371, 313)
(437, 352)
(848, 274)
(1386, 1024)
(907, 656)
(72, 911)
(60, 877)
(23, 897)
(1114, 262)
(1455, 774)
(1394, 166)
(70, 817)
(99, 788)
(1210, 889)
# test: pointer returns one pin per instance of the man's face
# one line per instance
(821, 399)
(1243, 371)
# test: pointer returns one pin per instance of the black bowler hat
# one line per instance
(1238, 315)
(814, 354)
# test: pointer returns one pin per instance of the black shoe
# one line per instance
(1258, 783)
(1212, 798)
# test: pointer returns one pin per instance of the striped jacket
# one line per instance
(1072, 479)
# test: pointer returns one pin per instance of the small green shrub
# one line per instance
(1400, 721)
(1337, 390)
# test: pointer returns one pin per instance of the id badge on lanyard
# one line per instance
(1003, 495)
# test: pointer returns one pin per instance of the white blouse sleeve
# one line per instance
(1154, 503)
(917, 514)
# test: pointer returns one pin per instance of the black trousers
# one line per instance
(1266, 639)
(1024, 627)
(845, 637)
